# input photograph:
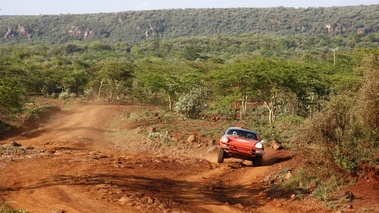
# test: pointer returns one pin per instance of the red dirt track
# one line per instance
(82, 162)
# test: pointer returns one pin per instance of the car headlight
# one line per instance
(224, 139)
(259, 145)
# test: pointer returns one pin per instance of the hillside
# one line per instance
(136, 26)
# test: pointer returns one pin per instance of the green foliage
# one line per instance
(303, 176)
(344, 161)
(334, 132)
(326, 188)
(368, 96)
(340, 137)
(163, 81)
(13, 95)
(112, 79)
(193, 103)
(223, 106)
(281, 86)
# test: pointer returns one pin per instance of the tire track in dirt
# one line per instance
(80, 169)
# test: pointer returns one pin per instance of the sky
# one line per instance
(55, 7)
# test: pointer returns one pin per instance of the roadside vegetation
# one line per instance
(317, 94)
(5, 209)
(340, 142)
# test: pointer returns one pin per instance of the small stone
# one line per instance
(276, 145)
(150, 200)
(267, 178)
(191, 139)
(14, 143)
(349, 195)
(124, 200)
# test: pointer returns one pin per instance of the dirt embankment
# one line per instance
(82, 160)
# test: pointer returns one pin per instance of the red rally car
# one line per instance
(242, 143)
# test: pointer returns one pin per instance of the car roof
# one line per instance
(242, 128)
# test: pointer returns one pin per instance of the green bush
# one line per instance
(368, 98)
(13, 95)
(193, 103)
(336, 137)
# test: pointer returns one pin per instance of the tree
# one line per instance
(260, 79)
(13, 95)
(111, 77)
(158, 77)
(232, 86)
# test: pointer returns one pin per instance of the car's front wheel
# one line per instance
(220, 156)
(258, 160)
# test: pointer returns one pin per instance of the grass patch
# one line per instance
(301, 178)
(321, 183)
(9, 147)
(325, 189)
(6, 209)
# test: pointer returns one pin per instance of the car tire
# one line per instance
(258, 160)
(220, 156)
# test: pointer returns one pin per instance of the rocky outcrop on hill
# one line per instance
(74, 31)
(21, 31)
(9, 34)
(332, 28)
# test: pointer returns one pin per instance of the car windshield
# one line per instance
(242, 133)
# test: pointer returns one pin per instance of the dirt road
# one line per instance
(81, 163)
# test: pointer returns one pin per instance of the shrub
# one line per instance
(368, 98)
(335, 137)
(13, 95)
(192, 104)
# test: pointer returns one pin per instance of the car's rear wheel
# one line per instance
(258, 160)
(220, 156)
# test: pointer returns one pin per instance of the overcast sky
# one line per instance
(42, 7)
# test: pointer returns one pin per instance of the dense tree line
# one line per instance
(164, 71)
(136, 26)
